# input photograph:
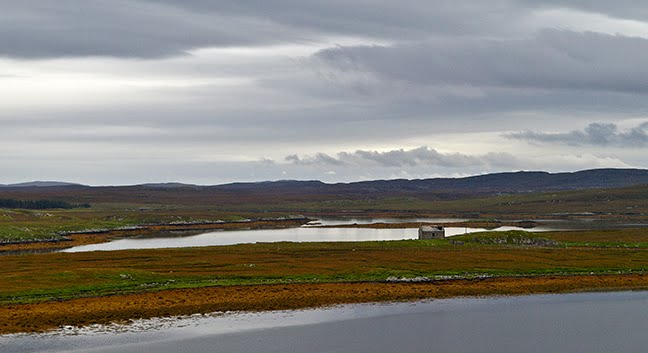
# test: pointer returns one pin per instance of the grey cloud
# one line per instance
(630, 9)
(551, 60)
(462, 69)
(147, 29)
(266, 161)
(373, 18)
(317, 159)
(595, 134)
(158, 28)
(422, 156)
(122, 28)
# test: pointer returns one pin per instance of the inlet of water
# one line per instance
(301, 234)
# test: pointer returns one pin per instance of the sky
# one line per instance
(210, 92)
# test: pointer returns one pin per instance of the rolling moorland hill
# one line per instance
(38, 184)
(515, 182)
(288, 191)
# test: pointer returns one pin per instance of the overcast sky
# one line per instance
(209, 92)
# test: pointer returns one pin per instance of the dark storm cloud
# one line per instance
(421, 156)
(595, 134)
(157, 28)
(121, 28)
(147, 29)
(551, 60)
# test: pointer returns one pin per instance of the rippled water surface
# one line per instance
(591, 322)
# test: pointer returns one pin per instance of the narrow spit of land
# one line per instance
(43, 291)
(96, 236)
(122, 308)
(102, 235)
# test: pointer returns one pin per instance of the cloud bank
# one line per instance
(550, 60)
(421, 156)
(595, 134)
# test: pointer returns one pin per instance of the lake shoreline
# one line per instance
(464, 224)
(98, 236)
(41, 317)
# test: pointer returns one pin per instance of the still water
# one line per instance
(301, 234)
(365, 220)
(590, 322)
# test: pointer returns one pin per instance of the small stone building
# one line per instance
(431, 232)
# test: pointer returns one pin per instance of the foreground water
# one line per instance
(301, 234)
(589, 322)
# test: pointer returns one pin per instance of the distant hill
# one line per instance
(514, 182)
(39, 184)
(166, 185)
(294, 191)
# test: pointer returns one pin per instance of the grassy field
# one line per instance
(130, 206)
(123, 308)
(55, 276)
(629, 202)
(126, 207)
(179, 280)
(41, 291)
(78, 288)
(34, 225)
(18, 225)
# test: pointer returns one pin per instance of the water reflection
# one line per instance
(315, 234)
(302, 234)
(350, 220)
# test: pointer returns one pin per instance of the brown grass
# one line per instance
(326, 261)
(215, 276)
(625, 236)
(79, 312)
